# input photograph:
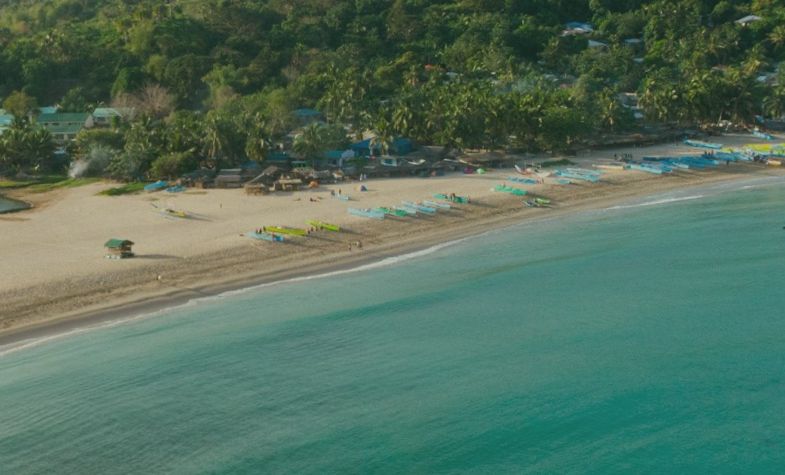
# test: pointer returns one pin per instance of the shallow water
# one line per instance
(646, 338)
(7, 205)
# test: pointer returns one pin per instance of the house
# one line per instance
(597, 44)
(201, 178)
(105, 116)
(230, 178)
(337, 158)
(399, 146)
(64, 125)
(279, 157)
(747, 20)
(288, 184)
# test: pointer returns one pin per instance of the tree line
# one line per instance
(214, 82)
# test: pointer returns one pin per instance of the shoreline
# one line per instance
(144, 299)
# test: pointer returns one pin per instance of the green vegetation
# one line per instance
(47, 183)
(556, 163)
(63, 183)
(124, 190)
(213, 83)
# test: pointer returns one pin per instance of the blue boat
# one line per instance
(419, 207)
(762, 135)
(577, 176)
(157, 186)
(434, 204)
(265, 236)
(367, 213)
(702, 144)
(643, 167)
(175, 189)
(522, 180)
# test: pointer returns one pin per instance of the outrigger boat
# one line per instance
(452, 198)
(392, 211)
(322, 225)
(510, 190)
(419, 207)
(435, 204)
(366, 213)
(157, 186)
(523, 180)
(762, 135)
(284, 230)
(702, 144)
(407, 209)
(341, 197)
(265, 236)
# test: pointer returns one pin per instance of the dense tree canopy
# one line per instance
(215, 81)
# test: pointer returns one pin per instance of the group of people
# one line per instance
(357, 244)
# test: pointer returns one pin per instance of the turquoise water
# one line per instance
(7, 205)
(639, 339)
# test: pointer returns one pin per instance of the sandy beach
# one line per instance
(54, 274)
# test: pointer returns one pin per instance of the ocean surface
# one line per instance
(645, 338)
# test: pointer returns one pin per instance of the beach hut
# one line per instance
(288, 184)
(118, 248)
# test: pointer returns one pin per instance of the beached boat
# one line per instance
(522, 180)
(609, 166)
(643, 167)
(452, 198)
(577, 176)
(322, 225)
(175, 189)
(265, 236)
(436, 204)
(542, 201)
(366, 213)
(342, 197)
(285, 230)
(762, 135)
(585, 172)
(419, 207)
(176, 213)
(702, 144)
(509, 189)
(392, 211)
(157, 186)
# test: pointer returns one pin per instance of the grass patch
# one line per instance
(66, 183)
(45, 183)
(124, 190)
(557, 163)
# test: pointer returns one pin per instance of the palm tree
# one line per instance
(310, 143)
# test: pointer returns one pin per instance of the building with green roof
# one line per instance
(65, 125)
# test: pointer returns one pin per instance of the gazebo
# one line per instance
(118, 248)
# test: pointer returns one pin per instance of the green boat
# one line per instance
(509, 189)
(453, 199)
(542, 201)
(392, 211)
(322, 225)
(282, 230)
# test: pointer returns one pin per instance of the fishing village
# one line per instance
(189, 237)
